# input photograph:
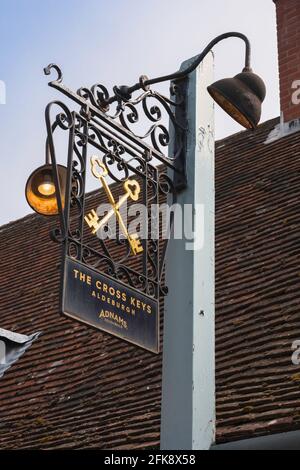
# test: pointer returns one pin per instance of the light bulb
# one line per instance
(46, 189)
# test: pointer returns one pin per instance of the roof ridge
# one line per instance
(10, 224)
(248, 131)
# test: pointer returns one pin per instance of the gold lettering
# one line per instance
(112, 291)
(115, 318)
(101, 314)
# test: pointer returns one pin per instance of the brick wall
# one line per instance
(288, 27)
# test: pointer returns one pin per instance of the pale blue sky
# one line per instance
(112, 42)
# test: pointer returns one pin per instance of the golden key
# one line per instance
(132, 189)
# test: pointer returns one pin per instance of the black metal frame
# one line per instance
(124, 155)
(125, 152)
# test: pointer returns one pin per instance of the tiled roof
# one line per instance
(75, 387)
(79, 388)
(257, 284)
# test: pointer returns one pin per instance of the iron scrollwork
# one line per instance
(126, 149)
(141, 122)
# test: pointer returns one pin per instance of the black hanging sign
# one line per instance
(114, 282)
(109, 305)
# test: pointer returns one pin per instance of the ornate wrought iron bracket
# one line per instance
(156, 110)
(95, 103)
(127, 145)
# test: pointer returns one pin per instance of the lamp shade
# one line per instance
(241, 97)
(40, 189)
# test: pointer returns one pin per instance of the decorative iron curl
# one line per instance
(64, 120)
(152, 271)
(95, 259)
(132, 278)
(48, 70)
(153, 113)
(165, 184)
(95, 96)
(57, 236)
(112, 164)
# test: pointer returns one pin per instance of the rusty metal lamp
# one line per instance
(40, 189)
(241, 97)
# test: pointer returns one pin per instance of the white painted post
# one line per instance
(188, 391)
(2, 352)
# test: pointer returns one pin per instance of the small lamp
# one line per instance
(241, 97)
(40, 189)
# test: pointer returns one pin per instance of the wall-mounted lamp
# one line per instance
(40, 189)
(241, 97)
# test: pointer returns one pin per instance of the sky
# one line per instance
(113, 42)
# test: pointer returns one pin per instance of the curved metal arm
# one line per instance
(124, 92)
(47, 146)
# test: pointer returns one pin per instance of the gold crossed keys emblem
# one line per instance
(132, 191)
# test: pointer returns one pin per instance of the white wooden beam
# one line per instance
(188, 391)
